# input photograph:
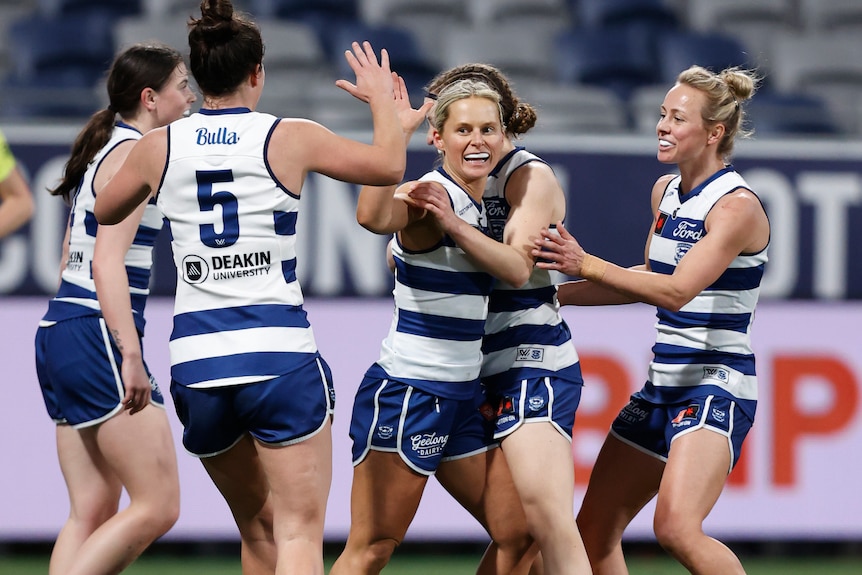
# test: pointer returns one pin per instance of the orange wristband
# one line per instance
(593, 268)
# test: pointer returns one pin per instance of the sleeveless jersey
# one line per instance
(707, 343)
(238, 315)
(76, 296)
(525, 336)
(441, 301)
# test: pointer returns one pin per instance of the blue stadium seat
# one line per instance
(317, 12)
(74, 50)
(773, 113)
(679, 50)
(603, 13)
(113, 8)
(619, 58)
(405, 55)
(56, 65)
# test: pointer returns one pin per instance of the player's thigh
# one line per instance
(694, 476)
(140, 449)
(299, 476)
(238, 475)
(623, 480)
(93, 487)
(384, 497)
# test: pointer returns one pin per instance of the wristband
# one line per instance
(593, 268)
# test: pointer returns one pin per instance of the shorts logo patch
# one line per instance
(385, 431)
(716, 373)
(428, 444)
(719, 415)
(153, 385)
(488, 412)
(687, 416)
(536, 403)
(507, 405)
(633, 413)
(530, 354)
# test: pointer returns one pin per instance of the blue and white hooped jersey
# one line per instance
(441, 301)
(707, 343)
(76, 296)
(525, 336)
(238, 315)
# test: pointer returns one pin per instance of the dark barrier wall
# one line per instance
(812, 190)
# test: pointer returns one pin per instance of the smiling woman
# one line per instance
(416, 413)
(705, 257)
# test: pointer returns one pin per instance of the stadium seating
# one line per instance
(575, 109)
(619, 58)
(826, 65)
(166, 29)
(115, 8)
(830, 15)
(405, 55)
(605, 13)
(773, 113)
(566, 49)
(548, 13)
(713, 50)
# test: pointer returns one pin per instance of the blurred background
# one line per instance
(596, 71)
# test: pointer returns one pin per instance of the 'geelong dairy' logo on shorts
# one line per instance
(428, 444)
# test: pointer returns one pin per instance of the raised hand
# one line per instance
(373, 79)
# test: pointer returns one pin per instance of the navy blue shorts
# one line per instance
(422, 428)
(78, 367)
(548, 398)
(283, 410)
(651, 427)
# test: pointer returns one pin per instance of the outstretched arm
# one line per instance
(737, 224)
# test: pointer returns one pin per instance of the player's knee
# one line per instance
(377, 555)
(674, 535)
(599, 540)
(156, 520)
(513, 539)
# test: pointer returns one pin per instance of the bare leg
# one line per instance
(94, 496)
(543, 470)
(614, 496)
(483, 485)
(239, 476)
(383, 500)
(695, 475)
(140, 453)
(300, 476)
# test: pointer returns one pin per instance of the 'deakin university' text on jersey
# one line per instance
(525, 334)
(76, 296)
(706, 346)
(238, 316)
(441, 301)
